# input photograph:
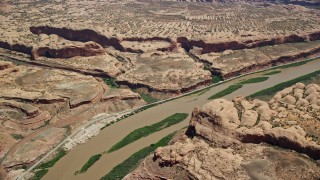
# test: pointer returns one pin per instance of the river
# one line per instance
(65, 168)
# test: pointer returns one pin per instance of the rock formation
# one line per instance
(299, 2)
(231, 63)
(32, 98)
(27, 153)
(166, 73)
(85, 49)
(206, 36)
(241, 140)
(66, 49)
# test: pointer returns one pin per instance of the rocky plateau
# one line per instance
(34, 99)
(253, 36)
(63, 61)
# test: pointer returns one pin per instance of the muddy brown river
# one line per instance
(65, 168)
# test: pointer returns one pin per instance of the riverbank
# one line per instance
(114, 133)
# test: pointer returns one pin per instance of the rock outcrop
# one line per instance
(97, 43)
(85, 49)
(232, 63)
(19, 47)
(164, 74)
(33, 100)
(80, 49)
(236, 45)
(298, 2)
(27, 153)
(240, 140)
(83, 35)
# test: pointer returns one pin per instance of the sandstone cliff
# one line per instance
(85, 49)
(35, 100)
(241, 140)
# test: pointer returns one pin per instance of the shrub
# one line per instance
(17, 136)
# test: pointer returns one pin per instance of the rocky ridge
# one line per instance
(34, 98)
(126, 55)
(241, 140)
(80, 41)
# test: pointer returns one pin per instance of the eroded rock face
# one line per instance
(27, 153)
(46, 101)
(171, 73)
(240, 140)
(234, 62)
(35, 84)
(83, 49)
(257, 35)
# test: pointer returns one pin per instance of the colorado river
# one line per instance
(76, 158)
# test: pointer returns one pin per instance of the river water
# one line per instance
(65, 168)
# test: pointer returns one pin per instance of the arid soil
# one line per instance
(55, 55)
(310, 3)
(2, 173)
(245, 139)
(235, 62)
(34, 99)
(132, 38)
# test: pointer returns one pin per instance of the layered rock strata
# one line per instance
(35, 101)
(241, 140)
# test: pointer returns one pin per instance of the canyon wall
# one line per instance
(83, 35)
(16, 47)
(87, 49)
(93, 44)
(273, 62)
(235, 45)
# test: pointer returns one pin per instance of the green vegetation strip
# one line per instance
(89, 163)
(39, 174)
(53, 161)
(272, 90)
(272, 73)
(133, 161)
(42, 169)
(299, 63)
(147, 130)
(235, 87)
(147, 98)
(226, 91)
(254, 80)
(111, 82)
(292, 65)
